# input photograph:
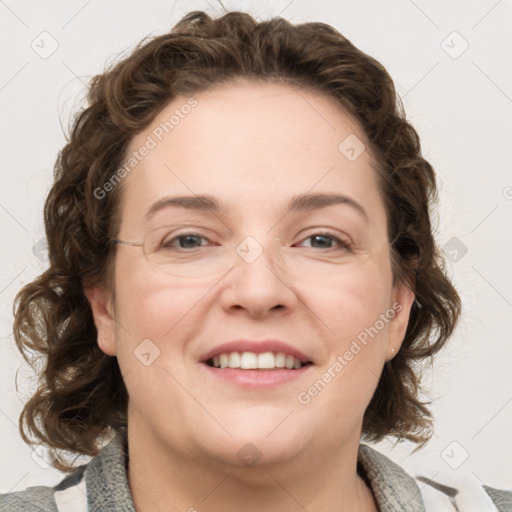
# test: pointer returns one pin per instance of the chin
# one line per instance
(250, 452)
(259, 438)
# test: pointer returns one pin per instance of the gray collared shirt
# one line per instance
(102, 486)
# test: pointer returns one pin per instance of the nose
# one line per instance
(257, 283)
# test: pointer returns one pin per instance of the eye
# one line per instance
(185, 241)
(325, 241)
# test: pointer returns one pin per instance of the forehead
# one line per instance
(251, 145)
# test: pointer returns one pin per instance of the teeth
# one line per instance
(252, 361)
(266, 361)
(280, 360)
(248, 361)
(234, 360)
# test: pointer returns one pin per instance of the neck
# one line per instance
(163, 479)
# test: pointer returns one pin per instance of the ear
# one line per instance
(102, 309)
(403, 299)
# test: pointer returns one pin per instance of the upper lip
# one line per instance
(258, 347)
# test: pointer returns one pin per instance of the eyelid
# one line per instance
(325, 231)
(177, 236)
(183, 230)
(346, 243)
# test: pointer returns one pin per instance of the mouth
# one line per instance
(256, 364)
(267, 361)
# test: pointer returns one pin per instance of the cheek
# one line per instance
(155, 319)
(352, 309)
(361, 323)
(155, 307)
(352, 302)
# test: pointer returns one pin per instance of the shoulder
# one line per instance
(501, 498)
(31, 499)
(99, 485)
(395, 489)
(43, 499)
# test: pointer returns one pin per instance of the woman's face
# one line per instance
(293, 263)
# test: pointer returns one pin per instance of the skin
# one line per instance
(253, 146)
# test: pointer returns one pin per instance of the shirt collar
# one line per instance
(394, 490)
(106, 478)
(108, 489)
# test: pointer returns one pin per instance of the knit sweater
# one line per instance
(102, 486)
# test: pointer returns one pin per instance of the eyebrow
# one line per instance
(300, 203)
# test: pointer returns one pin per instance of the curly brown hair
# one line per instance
(81, 396)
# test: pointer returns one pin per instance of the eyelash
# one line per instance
(343, 245)
(339, 241)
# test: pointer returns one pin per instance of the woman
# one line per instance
(242, 280)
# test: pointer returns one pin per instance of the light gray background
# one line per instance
(460, 106)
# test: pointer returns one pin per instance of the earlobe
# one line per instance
(404, 299)
(103, 313)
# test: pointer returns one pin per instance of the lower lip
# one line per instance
(257, 378)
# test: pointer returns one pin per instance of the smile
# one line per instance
(253, 361)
